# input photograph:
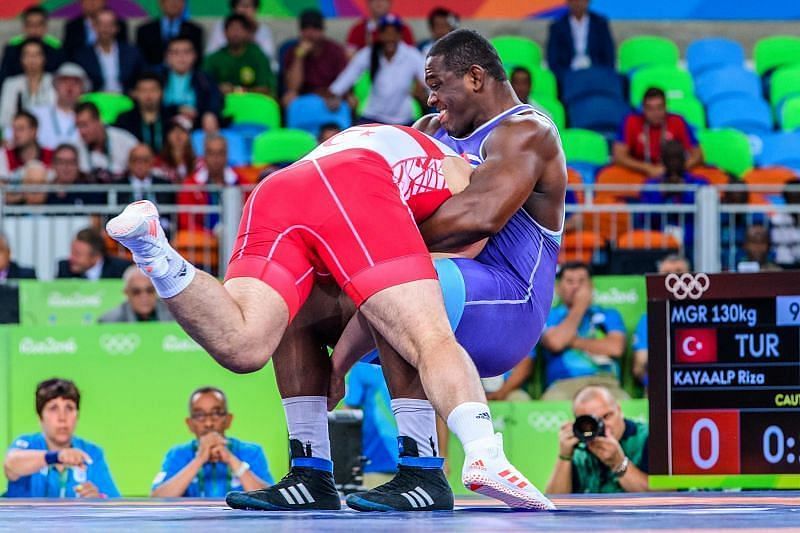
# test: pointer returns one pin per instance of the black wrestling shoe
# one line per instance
(307, 487)
(419, 485)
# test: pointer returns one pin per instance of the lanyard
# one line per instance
(63, 479)
(648, 157)
(201, 473)
(151, 134)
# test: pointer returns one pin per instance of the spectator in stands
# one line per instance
(680, 225)
(34, 173)
(785, 228)
(522, 83)
(441, 21)
(34, 25)
(366, 390)
(755, 252)
(671, 264)
(80, 31)
(614, 462)
(10, 269)
(177, 159)
(365, 31)
(733, 226)
(215, 172)
(141, 176)
(641, 135)
(393, 66)
(240, 65)
(66, 173)
(311, 65)
(34, 87)
(141, 304)
(112, 66)
(88, 259)
(149, 118)
(56, 463)
(326, 131)
(103, 149)
(581, 342)
(189, 89)
(580, 39)
(152, 37)
(213, 463)
(262, 36)
(57, 123)
(22, 149)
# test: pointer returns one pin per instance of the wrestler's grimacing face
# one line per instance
(450, 95)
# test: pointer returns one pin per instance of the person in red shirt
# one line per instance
(23, 147)
(311, 65)
(215, 172)
(641, 136)
(365, 31)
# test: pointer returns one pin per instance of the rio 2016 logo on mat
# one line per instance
(119, 343)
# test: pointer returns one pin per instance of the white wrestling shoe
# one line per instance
(138, 229)
(488, 472)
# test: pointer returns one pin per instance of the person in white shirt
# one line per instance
(262, 36)
(103, 150)
(395, 69)
(57, 123)
(33, 87)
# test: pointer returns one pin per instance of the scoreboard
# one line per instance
(724, 380)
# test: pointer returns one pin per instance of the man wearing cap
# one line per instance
(57, 123)
(311, 65)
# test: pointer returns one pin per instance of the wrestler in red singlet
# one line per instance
(345, 210)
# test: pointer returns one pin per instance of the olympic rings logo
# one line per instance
(687, 285)
(120, 344)
(546, 421)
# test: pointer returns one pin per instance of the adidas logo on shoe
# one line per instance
(296, 494)
(514, 477)
(418, 498)
(478, 465)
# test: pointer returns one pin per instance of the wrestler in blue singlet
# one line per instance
(498, 303)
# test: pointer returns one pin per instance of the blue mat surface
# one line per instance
(629, 512)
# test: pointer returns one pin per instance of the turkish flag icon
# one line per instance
(696, 345)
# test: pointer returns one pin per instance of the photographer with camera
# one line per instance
(600, 451)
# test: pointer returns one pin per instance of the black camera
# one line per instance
(587, 427)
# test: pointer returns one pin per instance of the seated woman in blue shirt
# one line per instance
(55, 463)
(212, 464)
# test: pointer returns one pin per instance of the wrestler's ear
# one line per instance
(476, 77)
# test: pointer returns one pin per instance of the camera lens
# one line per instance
(587, 427)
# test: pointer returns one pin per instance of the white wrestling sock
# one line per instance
(472, 424)
(307, 420)
(417, 419)
(180, 274)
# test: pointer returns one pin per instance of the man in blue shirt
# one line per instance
(55, 463)
(366, 390)
(581, 342)
(212, 464)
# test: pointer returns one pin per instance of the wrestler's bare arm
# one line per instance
(517, 152)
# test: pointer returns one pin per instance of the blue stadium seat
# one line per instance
(781, 149)
(725, 82)
(237, 148)
(712, 53)
(593, 81)
(741, 112)
(309, 113)
(601, 113)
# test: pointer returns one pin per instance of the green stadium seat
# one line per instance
(727, 149)
(772, 52)
(253, 108)
(676, 83)
(584, 146)
(647, 50)
(790, 114)
(690, 109)
(544, 84)
(282, 145)
(516, 51)
(554, 109)
(785, 82)
(110, 105)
